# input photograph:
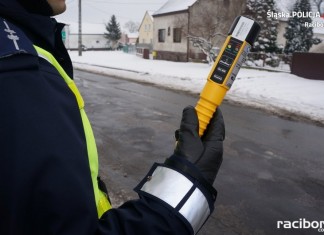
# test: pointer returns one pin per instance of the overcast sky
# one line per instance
(100, 11)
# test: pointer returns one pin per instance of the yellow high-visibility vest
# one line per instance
(101, 198)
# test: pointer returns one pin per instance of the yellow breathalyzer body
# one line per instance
(241, 37)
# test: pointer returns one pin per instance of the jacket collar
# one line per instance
(43, 31)
(39, 29)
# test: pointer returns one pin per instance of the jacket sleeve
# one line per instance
(172, 201)
(44, 172)
(142, 216)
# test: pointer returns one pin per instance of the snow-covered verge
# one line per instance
(281, 93)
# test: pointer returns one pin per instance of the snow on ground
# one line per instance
(278, 92)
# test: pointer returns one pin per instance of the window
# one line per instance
(161, 35)
(177, 35)
(168, 31)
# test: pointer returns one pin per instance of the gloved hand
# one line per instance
(206, 153)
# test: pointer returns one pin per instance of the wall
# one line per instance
(91, 41)
(92, 36)
(281, 40)
(146, 30)
(202, 17)
(308, 65)
(319, 48)
(170, 50)
(165, 22)
(213, 16)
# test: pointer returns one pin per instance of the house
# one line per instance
(178, 19)
(145, 31)
(281, 29)
(124, 38)
(318, 33)
(92, 36)
(132, 38)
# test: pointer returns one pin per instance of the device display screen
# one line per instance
(226, 60)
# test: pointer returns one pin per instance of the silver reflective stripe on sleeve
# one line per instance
(172, 187)
(196, 216)
(168, 185)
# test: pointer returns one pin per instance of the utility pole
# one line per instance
(80, 31)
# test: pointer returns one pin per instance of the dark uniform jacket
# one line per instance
(45, 182)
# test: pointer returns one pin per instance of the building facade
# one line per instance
(145, 31)
(92, 36)
(179, 19)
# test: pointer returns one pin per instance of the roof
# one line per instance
(174, 6)
(149, 13)
(132, 35)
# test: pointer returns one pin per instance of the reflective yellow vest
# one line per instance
(101, 198)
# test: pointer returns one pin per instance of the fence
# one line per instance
(303, 64)
(131, 49)
(143, 52)
(308, 65)
(277, 62)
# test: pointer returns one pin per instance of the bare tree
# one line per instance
(202, 33)
(132, 26)
(203, 36)
(209, 22)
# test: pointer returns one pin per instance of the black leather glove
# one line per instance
(206, 153)
(184, 181)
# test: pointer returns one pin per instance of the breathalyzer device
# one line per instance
(241, 37)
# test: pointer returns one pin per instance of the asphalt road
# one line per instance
(272, 169)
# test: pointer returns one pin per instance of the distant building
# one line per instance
(92, 36)
(132, 38)
(145, 31)
(124, 38)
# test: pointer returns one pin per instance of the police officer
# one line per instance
(48, 160)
